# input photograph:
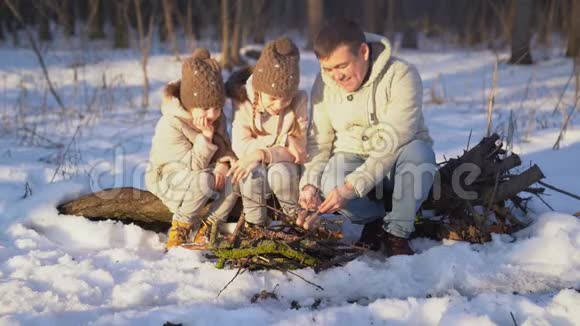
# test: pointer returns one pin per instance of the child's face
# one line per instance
(274, 104)
(211, 114)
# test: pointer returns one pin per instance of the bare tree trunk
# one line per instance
(185, 19)
(226, 62)
(483, 23)
(145, 46)
(410, 25)
(409, 38)
(94, 20)
(573, 49)
(161, 30)
(521, 32)
(187, 23)
(43, 20)
(66, 18)
(545, 23)
(64, 12)
(80, 11)
(287, 15)
(11, 26)
(239, 24)
(469, 14)
(121, 29)
(2, 19)
(315, 12)
(370, 15)
(11, 22)
(258, 25)
(168, 18)
(504, 16)
(474, 14)
(391, 27)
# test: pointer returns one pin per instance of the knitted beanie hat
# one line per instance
(202, 85)
(277, 71)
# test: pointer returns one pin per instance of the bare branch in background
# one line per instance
(94, 21)
(573, 49)
(37, 52)
(186, 21)
(522, 32)
(568, 116)
(62, 10)
(491, 100)
(169, 28)
(225, 59)
(145, 46)
(315, 12)
(239, 25)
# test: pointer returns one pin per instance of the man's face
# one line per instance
(346, 68)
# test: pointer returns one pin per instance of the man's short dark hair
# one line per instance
(337, 32)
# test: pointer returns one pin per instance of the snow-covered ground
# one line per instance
(66, 270)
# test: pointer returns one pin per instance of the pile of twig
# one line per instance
(281, 246)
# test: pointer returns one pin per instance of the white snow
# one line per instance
(67, 270)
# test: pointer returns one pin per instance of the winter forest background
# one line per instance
(493, 24)
(226, 26)
(79, 99)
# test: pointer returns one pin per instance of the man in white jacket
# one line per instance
(367, 138)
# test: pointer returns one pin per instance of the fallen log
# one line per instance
(128, 205)
(513, 186)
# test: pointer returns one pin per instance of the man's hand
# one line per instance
(308, 219)
(220, 171)
(243, 167)
(309, 198)
(337, 198)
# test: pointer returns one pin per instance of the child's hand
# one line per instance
(207, 129)
(205, 125)
(297, 151)
(200, 121)
(243, 167)
(220, 171)
(208, 133)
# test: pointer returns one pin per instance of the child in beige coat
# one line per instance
(269, 132)
(191, 153)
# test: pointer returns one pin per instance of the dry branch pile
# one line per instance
(477, 188)
(281, 246)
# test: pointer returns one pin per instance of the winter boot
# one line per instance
(371, 235)
(200, 240)
(178, 234)
(394, 245)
